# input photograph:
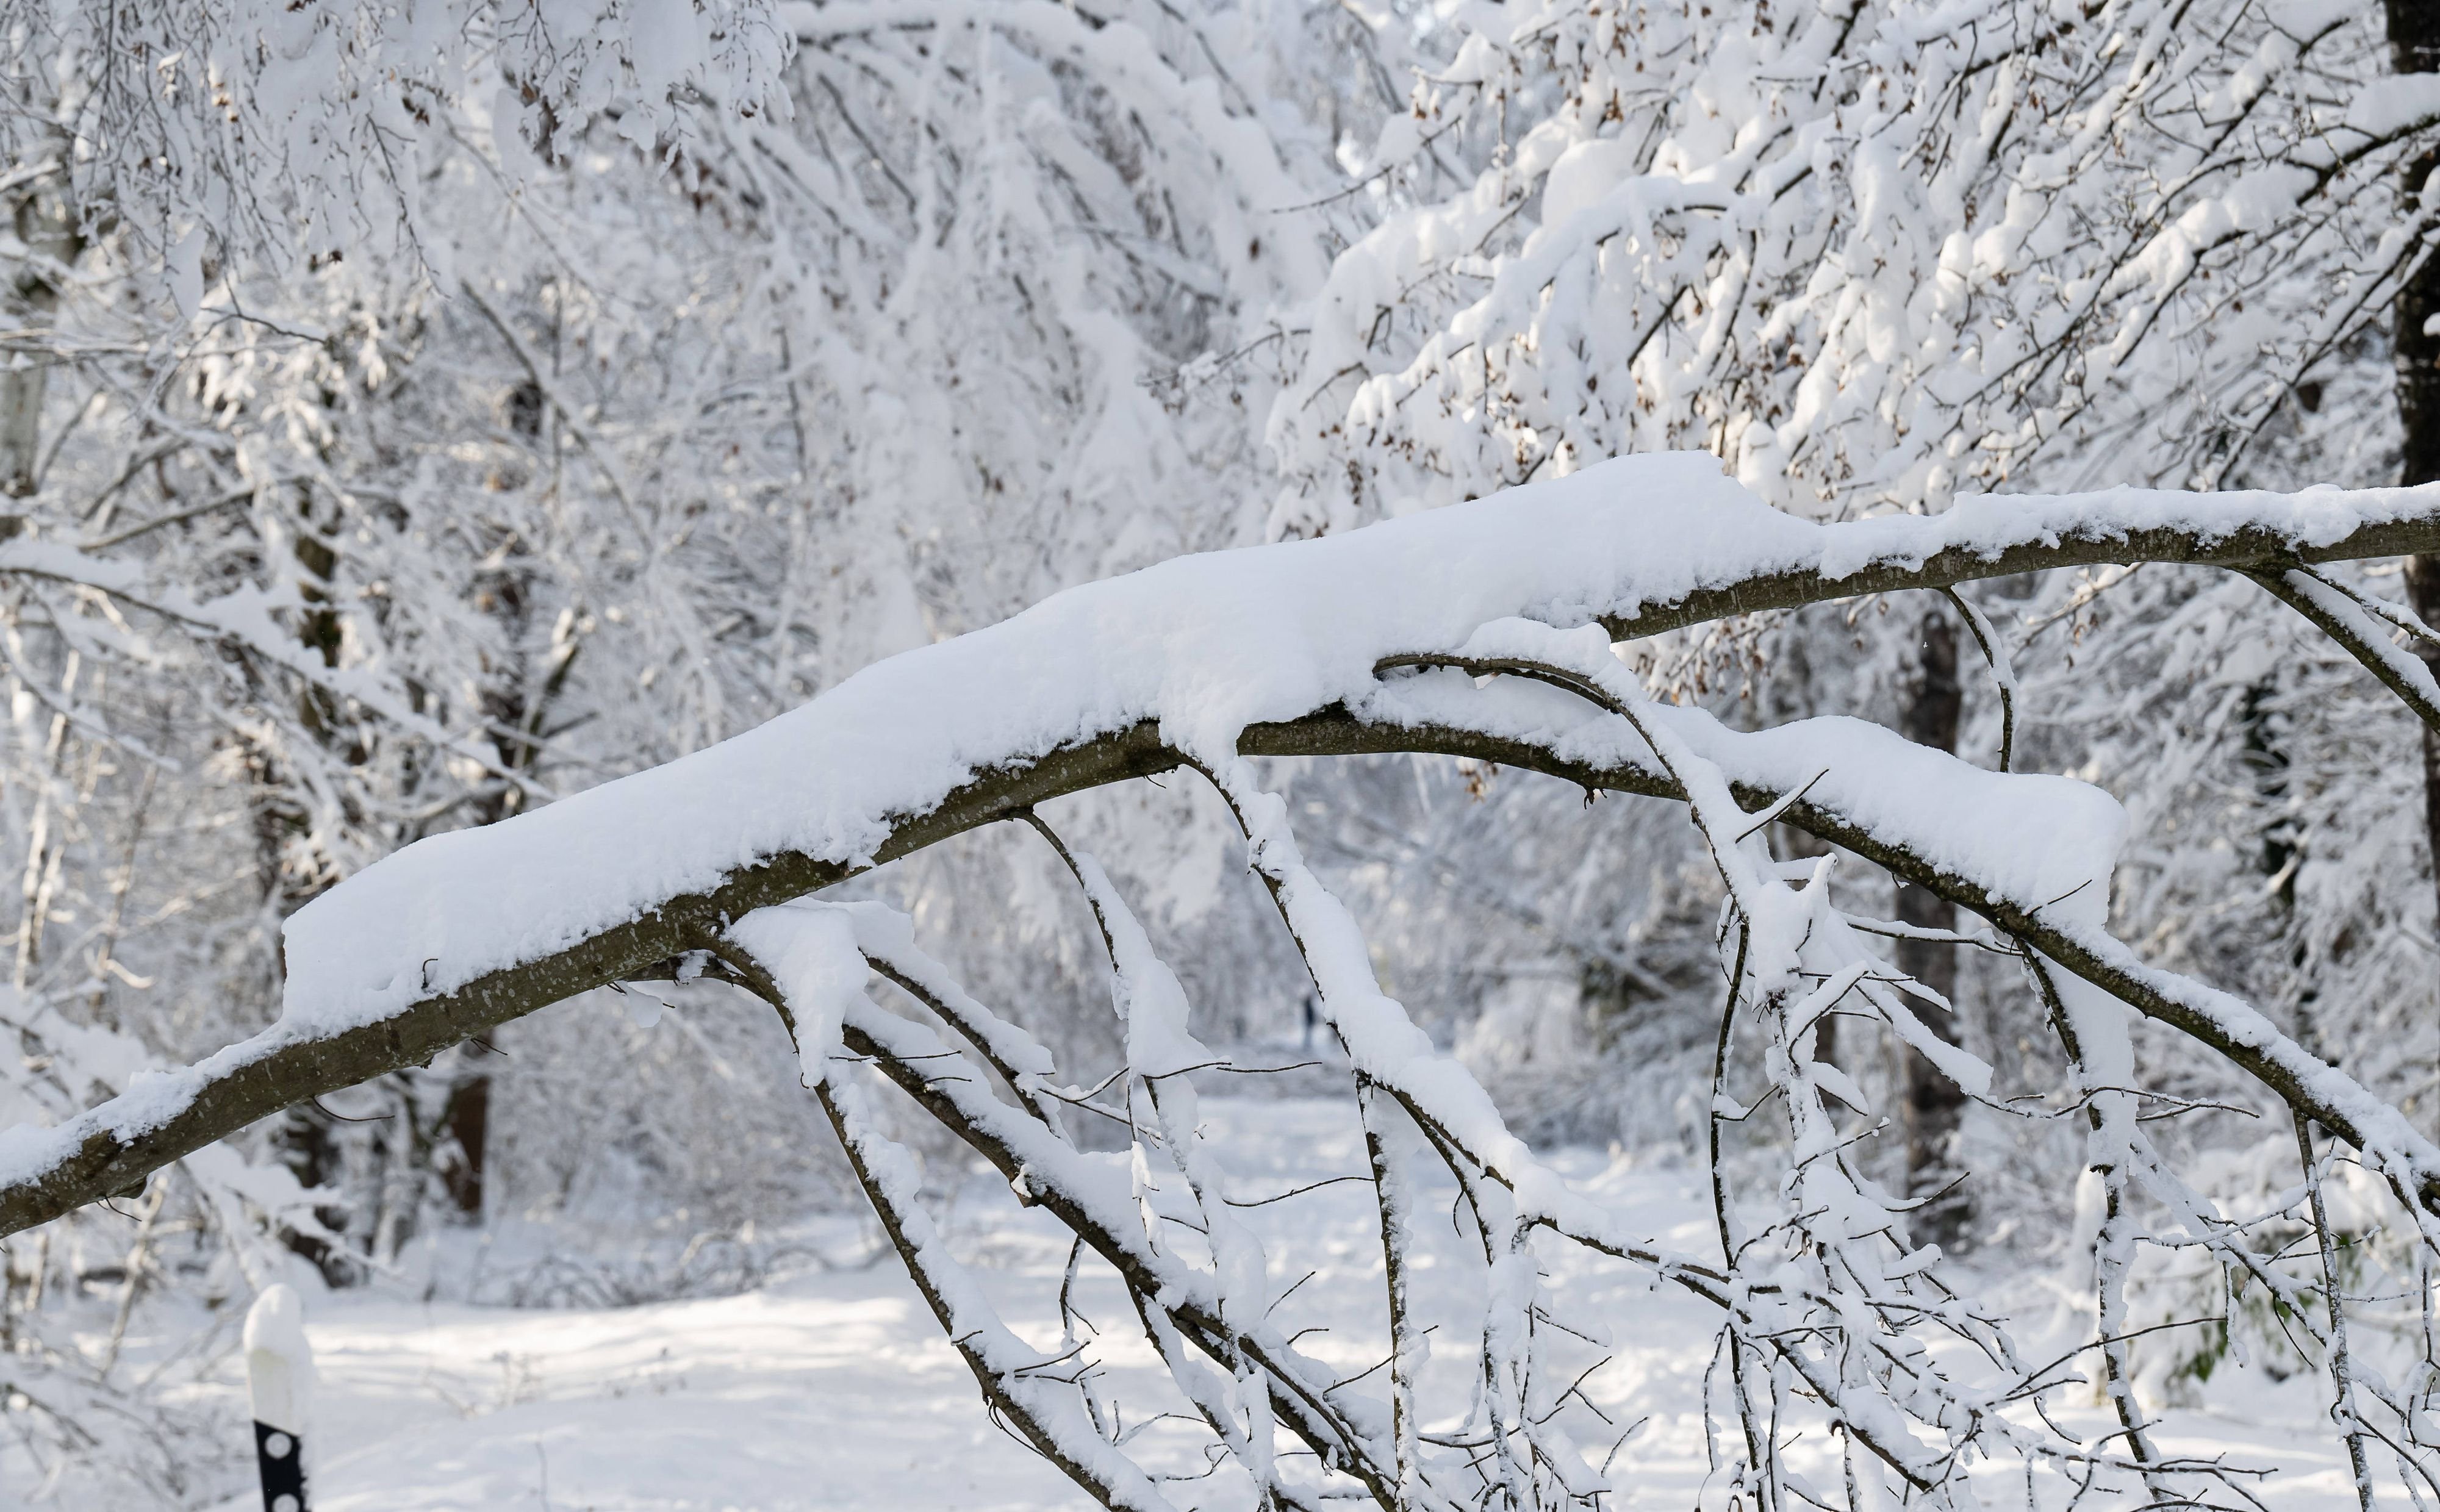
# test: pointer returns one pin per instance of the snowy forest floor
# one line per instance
(833, 1387)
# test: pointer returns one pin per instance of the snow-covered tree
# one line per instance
(1491, 631)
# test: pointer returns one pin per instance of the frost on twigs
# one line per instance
(1483, 631)
(302, 132)
(1871, 254)
(1828, 1308)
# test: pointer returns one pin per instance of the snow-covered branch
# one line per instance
(1270, 650)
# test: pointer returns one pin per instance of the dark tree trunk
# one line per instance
(47, 224)
(464, 1121)
(301, 1139)
(2414, 49)
(2423, 581)
(1934, 1106)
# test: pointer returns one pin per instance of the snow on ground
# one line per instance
(833, 1388)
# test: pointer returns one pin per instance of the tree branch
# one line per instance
(44, 1173)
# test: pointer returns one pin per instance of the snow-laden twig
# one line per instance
(2004, 675)
(791, 951)
(1098, 1199)
(2350, 620)
(2100, 1058)
(2342, 1362)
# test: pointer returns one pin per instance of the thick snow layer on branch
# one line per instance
(1204, 644)
(2034, 839)
(811, 955)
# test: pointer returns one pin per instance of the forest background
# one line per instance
(413, 413)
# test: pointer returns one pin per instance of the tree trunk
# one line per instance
(2414, 49)
(47, 227)
(465, 1120)
(1935, 1104)
(2423, 581)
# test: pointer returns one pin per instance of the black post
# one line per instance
(280, 1456)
